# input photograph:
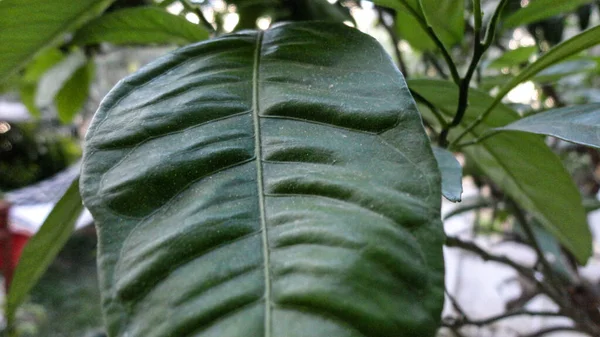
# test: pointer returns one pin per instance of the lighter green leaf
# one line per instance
(29, 26)
(54, 79)
(518, 163)
(43, 247)
(140, 25)
(73, 95)
(538, 10)
(266, 183)
(572, 46)
(578, 124)
(34, 71)
(451, 174)
(513, 58)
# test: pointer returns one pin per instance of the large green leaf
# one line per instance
(266, 184)
(27, 27)
(43, 247)
(577, 124)
(140, 25)
(538, 10)
(520, 164)
(34, 71)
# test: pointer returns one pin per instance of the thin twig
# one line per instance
(392, 33)
(546, 331)
(493, 319)
(431, 33)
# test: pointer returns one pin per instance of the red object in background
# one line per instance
(17, 242)
(11, 245)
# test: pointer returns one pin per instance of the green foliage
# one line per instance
(140, 25)
(290, 203)
(538, 10)
(451, 174)
(278, 182)
(578, 124)
(521, 164)
(27, 27)
(43, 247)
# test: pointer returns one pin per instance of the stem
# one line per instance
(505, 315)
(488, 40)
(477, 14)
(428, 57)
(452, 241)
(392, 33)
(431, 107)
(546, 331)
(196, 10)
(431, 33)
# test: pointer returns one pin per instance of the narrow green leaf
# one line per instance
(538, 10)
(54, 79)
(572, 46)
(513, 58)
(266, 183)
(578, 124)
(43, 247)
(73, 95)
(520, 164)
(29, 26)
(564, 69)
(451, 174)
(140, 25)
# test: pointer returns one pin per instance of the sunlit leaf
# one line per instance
(140, 25)
(29, 26)
(537, 10)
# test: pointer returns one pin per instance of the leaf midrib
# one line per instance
(260, 184)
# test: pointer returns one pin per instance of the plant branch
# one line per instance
(392, 33)
(431, 107)
(452, 241)
(521, 312)
(546, 331)
(196, 10)
(431, 33)
(478, 50)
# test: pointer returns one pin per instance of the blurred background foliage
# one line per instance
(46, 104)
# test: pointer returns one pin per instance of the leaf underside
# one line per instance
(266, 184)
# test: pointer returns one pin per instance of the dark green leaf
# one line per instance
(73, 95)
(578, 124)
(266, 184)
(451, 173)
(43, 247)
(520, 164)
(27, 27)
(513, 58)
(54, 79)
(541, 9)
(140, 25)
